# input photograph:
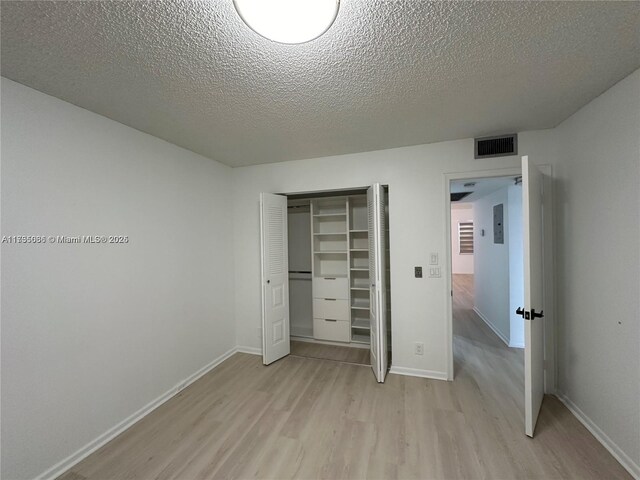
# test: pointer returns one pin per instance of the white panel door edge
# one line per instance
(274, 277)
(532, 216)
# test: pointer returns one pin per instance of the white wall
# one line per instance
(516, 265)
(598, 265)
(415, 176)
(499, 268)
(491, 265)
(300, 291)
(92, 333)
(460, 212)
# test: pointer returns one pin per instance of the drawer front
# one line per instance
(333, 330)
(332, 309)
(330, 288)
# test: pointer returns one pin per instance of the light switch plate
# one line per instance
(433, 259)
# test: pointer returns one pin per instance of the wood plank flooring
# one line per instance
(306, 418)
(330, 352)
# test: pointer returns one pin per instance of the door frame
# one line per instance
(550, 335)
(343, 191)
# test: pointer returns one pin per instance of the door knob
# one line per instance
(536, 315)
(520, 311)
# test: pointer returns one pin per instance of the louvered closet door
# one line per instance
(275, 277)
(377, 281)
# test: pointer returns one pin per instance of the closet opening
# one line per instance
(338, 282)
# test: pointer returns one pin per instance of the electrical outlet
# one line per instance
(419, 348)
(434, 272)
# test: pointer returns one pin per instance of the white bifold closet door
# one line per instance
(377, 281)
(275, 277)
(532, 191)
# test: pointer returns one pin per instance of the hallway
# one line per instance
(480, 356)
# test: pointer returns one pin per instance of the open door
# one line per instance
(377, 281)
(532, 183)
(275, 277)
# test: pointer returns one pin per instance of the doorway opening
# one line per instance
(536, 308)
(333, 303)
(488, 286)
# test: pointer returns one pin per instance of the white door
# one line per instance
(377, 281)
(275, 277)
(532, 181)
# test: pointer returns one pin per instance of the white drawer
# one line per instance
(330, 287)
(333, 330)
(333, 309)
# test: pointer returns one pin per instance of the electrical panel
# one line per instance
(498, 224)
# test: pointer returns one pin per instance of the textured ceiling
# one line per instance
(388, 73)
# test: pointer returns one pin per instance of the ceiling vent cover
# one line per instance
(501, 146)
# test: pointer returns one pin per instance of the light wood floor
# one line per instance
(330, 352)
(307, 418)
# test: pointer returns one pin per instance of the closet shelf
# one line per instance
(327, 215)
(358, 269)
(336, 234)
(356, 338)
(359, 307)
(359, 249)
(360, 288)
(361, 324)
(320, 252)
(359, 231)
(331, 275)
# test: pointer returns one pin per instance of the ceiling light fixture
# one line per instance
(288, 21)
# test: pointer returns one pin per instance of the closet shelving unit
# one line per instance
(340, 249)
(330, 268)
(358, 242)
(329, 234)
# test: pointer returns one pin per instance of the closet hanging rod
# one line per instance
(300, 271)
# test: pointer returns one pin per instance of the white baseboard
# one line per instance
(64, 465)
(249, 350)
(623, 458)
(494, 329)
(417, 372)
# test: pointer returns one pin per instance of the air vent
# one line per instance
(456, 197)
(501, 146)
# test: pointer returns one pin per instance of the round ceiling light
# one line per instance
(288, 21)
